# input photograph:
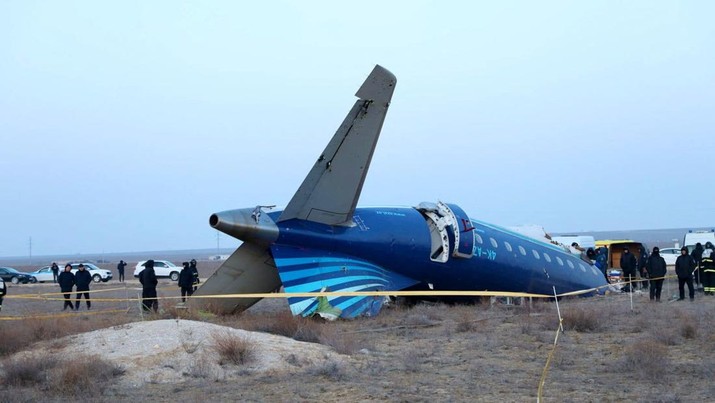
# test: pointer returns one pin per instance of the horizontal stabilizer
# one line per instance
(308, 270)
(330, 192)
(248, 270)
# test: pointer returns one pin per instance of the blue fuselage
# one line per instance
(398, 240)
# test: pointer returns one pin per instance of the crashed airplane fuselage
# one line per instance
(321, 241)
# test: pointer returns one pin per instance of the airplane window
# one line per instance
(570, 264)
(507, 245)
(522, 250)
(478, 238)
(583, 268)
(494, 242)
(558, 259)
(547, 257)
(536, 254)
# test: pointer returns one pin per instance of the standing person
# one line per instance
(3, 291)
(698, 257)
(186, 281)
(120, 270)
(195, 273)
(642, 271)
(148, 279)
(708, 268)
(82, 278)
(601, 261)
(628, 265)
(655, 268)
(55, 271)
(684, 267)
(66, 280)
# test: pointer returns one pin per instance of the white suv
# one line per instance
(162, 268)
(97, 273)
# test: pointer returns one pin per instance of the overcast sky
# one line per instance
(124, 125)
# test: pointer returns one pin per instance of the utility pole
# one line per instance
(218, 249)
(30, 244)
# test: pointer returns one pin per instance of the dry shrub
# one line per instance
(582, 319)
(80, 376)
(13, 338)
(665, 335)
(27, 371)
(24, 333)
(199, 368)
(535, 324)
(342, 343)
(465, 322)
(331, 370)
(425, 315)
(413, 359)
(688, 327)
(282, 324)
(648, 358)
(309, 330)
(174, 312)
(233, 349)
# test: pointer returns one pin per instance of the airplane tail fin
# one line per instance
(331, 190)
(250, 269)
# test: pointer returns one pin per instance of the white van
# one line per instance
(693, 237)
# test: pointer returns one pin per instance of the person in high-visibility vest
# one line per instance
(708, 268)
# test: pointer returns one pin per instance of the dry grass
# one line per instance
(331, 370)
(583, 319)
(233, 349)
(343, 343)
(647, 358)
(27, 371)
(25, 332)
(81, 376)
(282, 323)
(416, 352)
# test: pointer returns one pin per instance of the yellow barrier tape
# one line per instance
(62, 315)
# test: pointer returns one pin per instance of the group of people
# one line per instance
(188, 282)
(691, 269)
(68, 280)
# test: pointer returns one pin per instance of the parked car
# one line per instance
(97, 273)
(670, 255)
(163, 268)
(43, 274)
(14, 276)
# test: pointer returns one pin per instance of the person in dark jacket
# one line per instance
(55, 271)
(601, 261)
(3, 291)
(82, 279)
(195, 273)
(655, 269)
(120, 270)
(698, 257)
(684, 267)
(148, 279)
(186, 281)
(642, 262)
(66, 280)
(628, 265)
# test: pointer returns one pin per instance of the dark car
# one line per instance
(14, 276)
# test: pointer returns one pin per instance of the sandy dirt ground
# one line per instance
(654, 352)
